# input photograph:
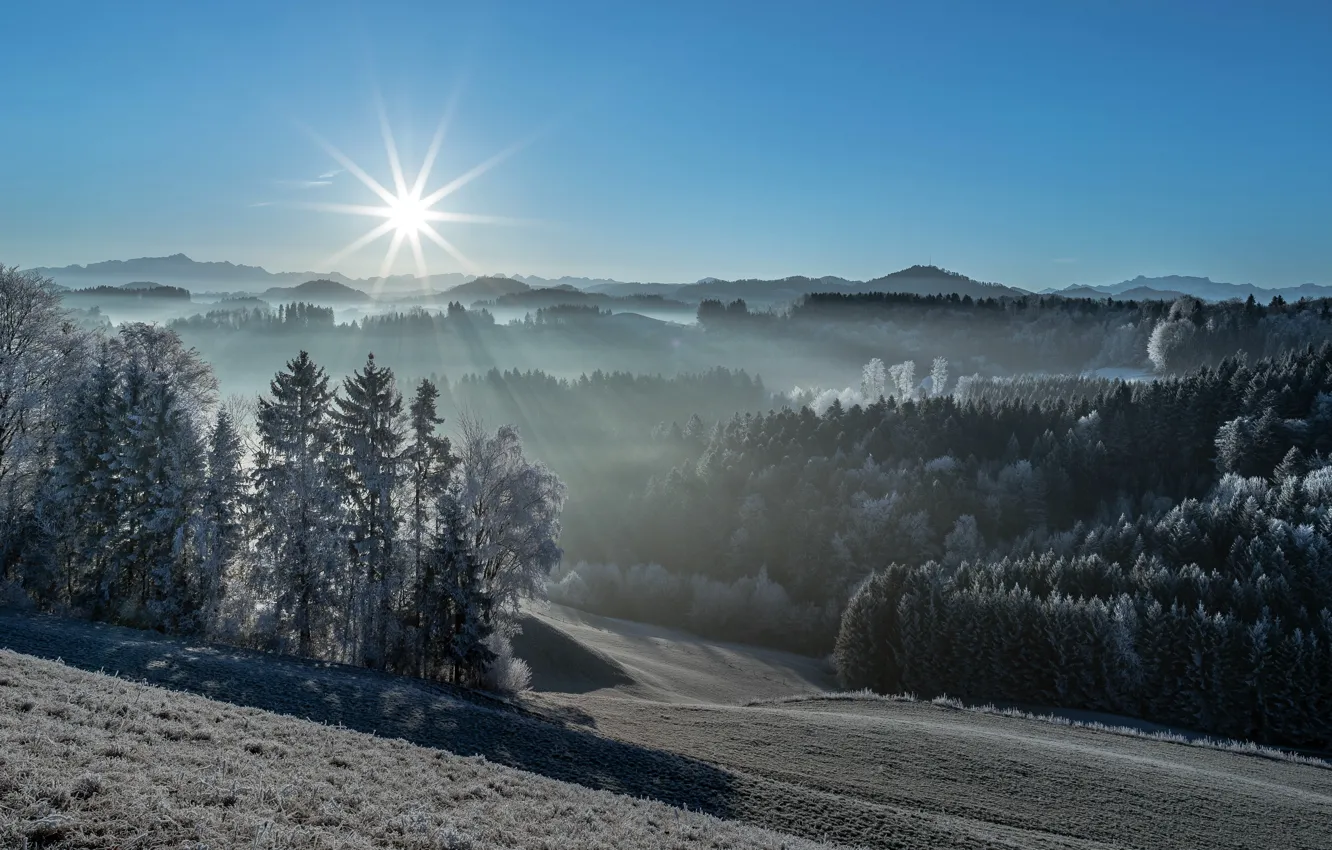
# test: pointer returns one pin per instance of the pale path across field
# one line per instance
(1002, 781)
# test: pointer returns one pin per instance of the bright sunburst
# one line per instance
(409, 213)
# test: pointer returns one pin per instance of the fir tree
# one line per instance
(220, 519)
(468, 620)
(81, 508)
(296, 503)
(368, 417)
(430, 463)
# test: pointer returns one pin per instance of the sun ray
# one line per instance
(468, 176)
(387, 266)
(360, 243)
(342, 159)
(472, 218)
(350, 209)
(433, 236)
(395, 164)
(422, 272)
(433, 151)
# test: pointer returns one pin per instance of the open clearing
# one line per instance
(653, 713)
(999, 779)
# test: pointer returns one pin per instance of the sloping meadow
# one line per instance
(94, 761)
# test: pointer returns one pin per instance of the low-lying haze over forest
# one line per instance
(766, 473)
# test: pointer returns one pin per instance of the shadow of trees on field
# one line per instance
(560, 663)
(423, 713)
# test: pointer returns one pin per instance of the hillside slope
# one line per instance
(91, 761)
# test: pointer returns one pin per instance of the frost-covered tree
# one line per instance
(1168, 340)
(869, 646)
(221, 528)
(180, 596)
(121, 499)
(963, 543)
(79, 510)
(902, 378)
(41, 360)
(370, 427)
(429, 464)
(872, 379)
(512, 509)
(457, 612)
(939, 377)
(155, 465)
(297, 505)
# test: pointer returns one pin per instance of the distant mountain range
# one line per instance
(180, 271)
(1170, 287)
(917, 280)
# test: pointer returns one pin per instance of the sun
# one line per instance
(408, 216)
(409, 213)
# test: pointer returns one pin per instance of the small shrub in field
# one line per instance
(506, 674)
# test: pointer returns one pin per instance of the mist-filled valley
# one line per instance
(1112, 505)
(1089, 515)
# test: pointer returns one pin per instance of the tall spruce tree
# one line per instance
(370, 426)
(461, 610)
(297, 506)
(429, 461)
(80, 508)
(220, 517)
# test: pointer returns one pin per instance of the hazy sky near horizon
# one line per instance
(1031, 143)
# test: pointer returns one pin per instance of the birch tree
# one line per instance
(512, 509)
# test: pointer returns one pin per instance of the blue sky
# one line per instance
(1032, 143)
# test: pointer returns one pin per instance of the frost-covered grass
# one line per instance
(1229, 745)
(93, 761)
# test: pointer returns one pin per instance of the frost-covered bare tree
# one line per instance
(512, 509)
(939, 377)
(160, 351)
(41, 353)
(903, 379)
(872, 380)
(1169, 338)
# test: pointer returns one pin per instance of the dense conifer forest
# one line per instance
(1159, 549)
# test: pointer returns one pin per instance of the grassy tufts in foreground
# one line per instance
(92, 761)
